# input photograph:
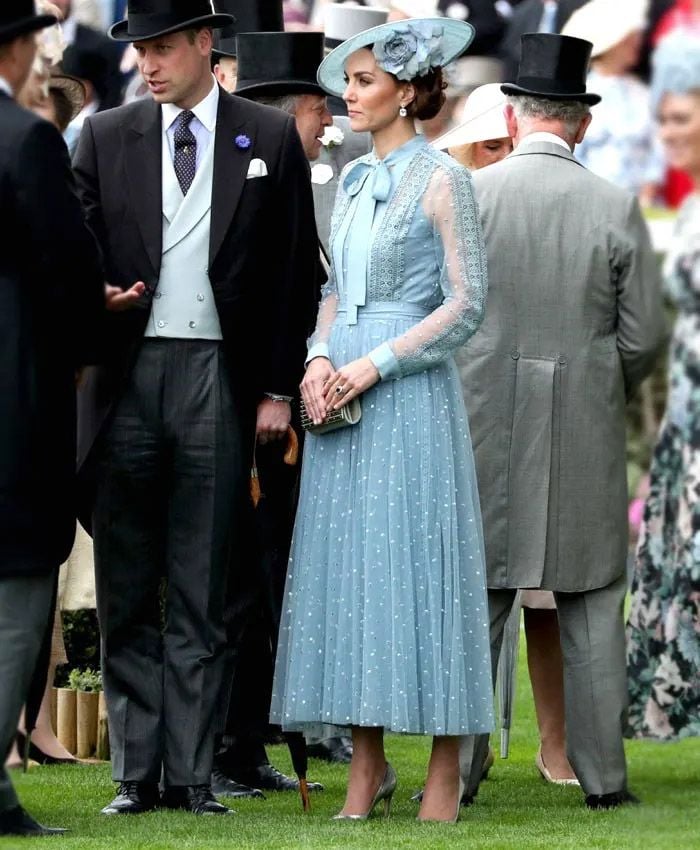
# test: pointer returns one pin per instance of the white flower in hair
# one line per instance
(333, 137)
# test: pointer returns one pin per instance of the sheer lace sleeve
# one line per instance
(450, 205)
(318, 341)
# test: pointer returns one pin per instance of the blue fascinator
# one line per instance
(406, 49)
(676, 67)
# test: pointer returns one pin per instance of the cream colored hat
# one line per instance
(482, 119)
(605, 23)
(416, 8)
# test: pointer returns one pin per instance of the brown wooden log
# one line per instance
(66, 719)
(86, 726)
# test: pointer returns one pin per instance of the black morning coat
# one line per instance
(263, 255)
(51, 304)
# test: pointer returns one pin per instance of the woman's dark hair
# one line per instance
(430, 95)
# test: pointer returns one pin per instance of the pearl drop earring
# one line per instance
(403, 112)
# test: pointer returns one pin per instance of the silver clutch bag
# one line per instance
(350, 414)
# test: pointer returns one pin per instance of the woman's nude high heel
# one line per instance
(385, 792)
(459, 806)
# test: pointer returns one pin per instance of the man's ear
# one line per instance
(582, 129)
(511, 120)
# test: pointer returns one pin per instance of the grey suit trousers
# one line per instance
(169, 480)
(24, 615)
(591, 627)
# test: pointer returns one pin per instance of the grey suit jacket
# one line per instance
(353, 146)
(573, 322)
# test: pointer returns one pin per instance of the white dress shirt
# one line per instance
(203, 125)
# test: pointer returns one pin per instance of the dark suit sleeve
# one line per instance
(85, 170)
(293, 236)
(66, 255)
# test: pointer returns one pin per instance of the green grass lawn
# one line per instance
(515, 808)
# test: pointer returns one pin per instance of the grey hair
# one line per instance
(569, 112)
(285, 102)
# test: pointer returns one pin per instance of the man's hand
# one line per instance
(117, 300)
(273, 420)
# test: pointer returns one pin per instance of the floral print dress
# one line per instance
(663, 631)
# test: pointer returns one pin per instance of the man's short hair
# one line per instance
(286, 102)
(569, 112)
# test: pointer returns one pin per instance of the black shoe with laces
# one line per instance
(222, 786)
(133, 798)
(197, 799)
(268, 778)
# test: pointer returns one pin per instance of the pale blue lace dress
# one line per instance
(385, 620)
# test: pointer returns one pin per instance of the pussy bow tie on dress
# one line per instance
(360, 229)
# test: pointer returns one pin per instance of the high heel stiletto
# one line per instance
(384, 794)
(459, 807)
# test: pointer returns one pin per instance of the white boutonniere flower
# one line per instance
(333, 137)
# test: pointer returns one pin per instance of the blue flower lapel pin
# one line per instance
(243, 142)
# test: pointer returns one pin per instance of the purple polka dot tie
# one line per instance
(185, 150)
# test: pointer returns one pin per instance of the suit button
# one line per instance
(562, 360)
(193, 324)
(515, 354)
(200, 297)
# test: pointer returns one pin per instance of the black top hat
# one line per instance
(251, 16)
(553, 67)
(20, 18)
(279, 63)
(151, 18)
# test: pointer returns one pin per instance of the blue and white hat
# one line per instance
(675, 66)
(406, 49)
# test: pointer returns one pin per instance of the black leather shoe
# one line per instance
(17, 822)
(268, 778)
(133, 798)
(335, 750)
(197, 799)
(222, 786)
(610, 801)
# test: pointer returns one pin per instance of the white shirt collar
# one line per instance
(552, 138)
(205, 111)
(6, 87)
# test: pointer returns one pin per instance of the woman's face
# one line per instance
(373, 97)
(490, 151)
(679, 120)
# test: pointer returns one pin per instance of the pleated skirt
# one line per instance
(385, 617)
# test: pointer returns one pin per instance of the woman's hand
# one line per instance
(317, 374)
(349, 382)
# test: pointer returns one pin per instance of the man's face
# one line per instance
(226, 72)
(312, 116)
(174, 69)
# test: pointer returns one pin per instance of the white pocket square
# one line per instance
(321, 174)
(257, 168)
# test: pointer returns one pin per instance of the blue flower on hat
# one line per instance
(243, 142)
(410, 50)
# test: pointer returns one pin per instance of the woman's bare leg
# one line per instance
(367, 769)
(441, 794)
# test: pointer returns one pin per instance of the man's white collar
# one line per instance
(205, 111)
(552, 138)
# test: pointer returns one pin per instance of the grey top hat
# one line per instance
(152, 18)
(342, 22)
(251, 16)
(279, 63)
(19, 18)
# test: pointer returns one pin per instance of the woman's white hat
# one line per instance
(407, 49)
(416, 8)
(482, 119)
(605, 23)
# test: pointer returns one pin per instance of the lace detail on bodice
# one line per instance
(387, 266)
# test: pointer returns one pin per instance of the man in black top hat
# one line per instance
(277, 69)
(251, 16)
(206, 345)
(52, 296)
(574, 323)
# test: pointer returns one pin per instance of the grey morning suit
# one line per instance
(573, 322)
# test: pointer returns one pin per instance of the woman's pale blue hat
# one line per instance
(407, 49)
(675, 66)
